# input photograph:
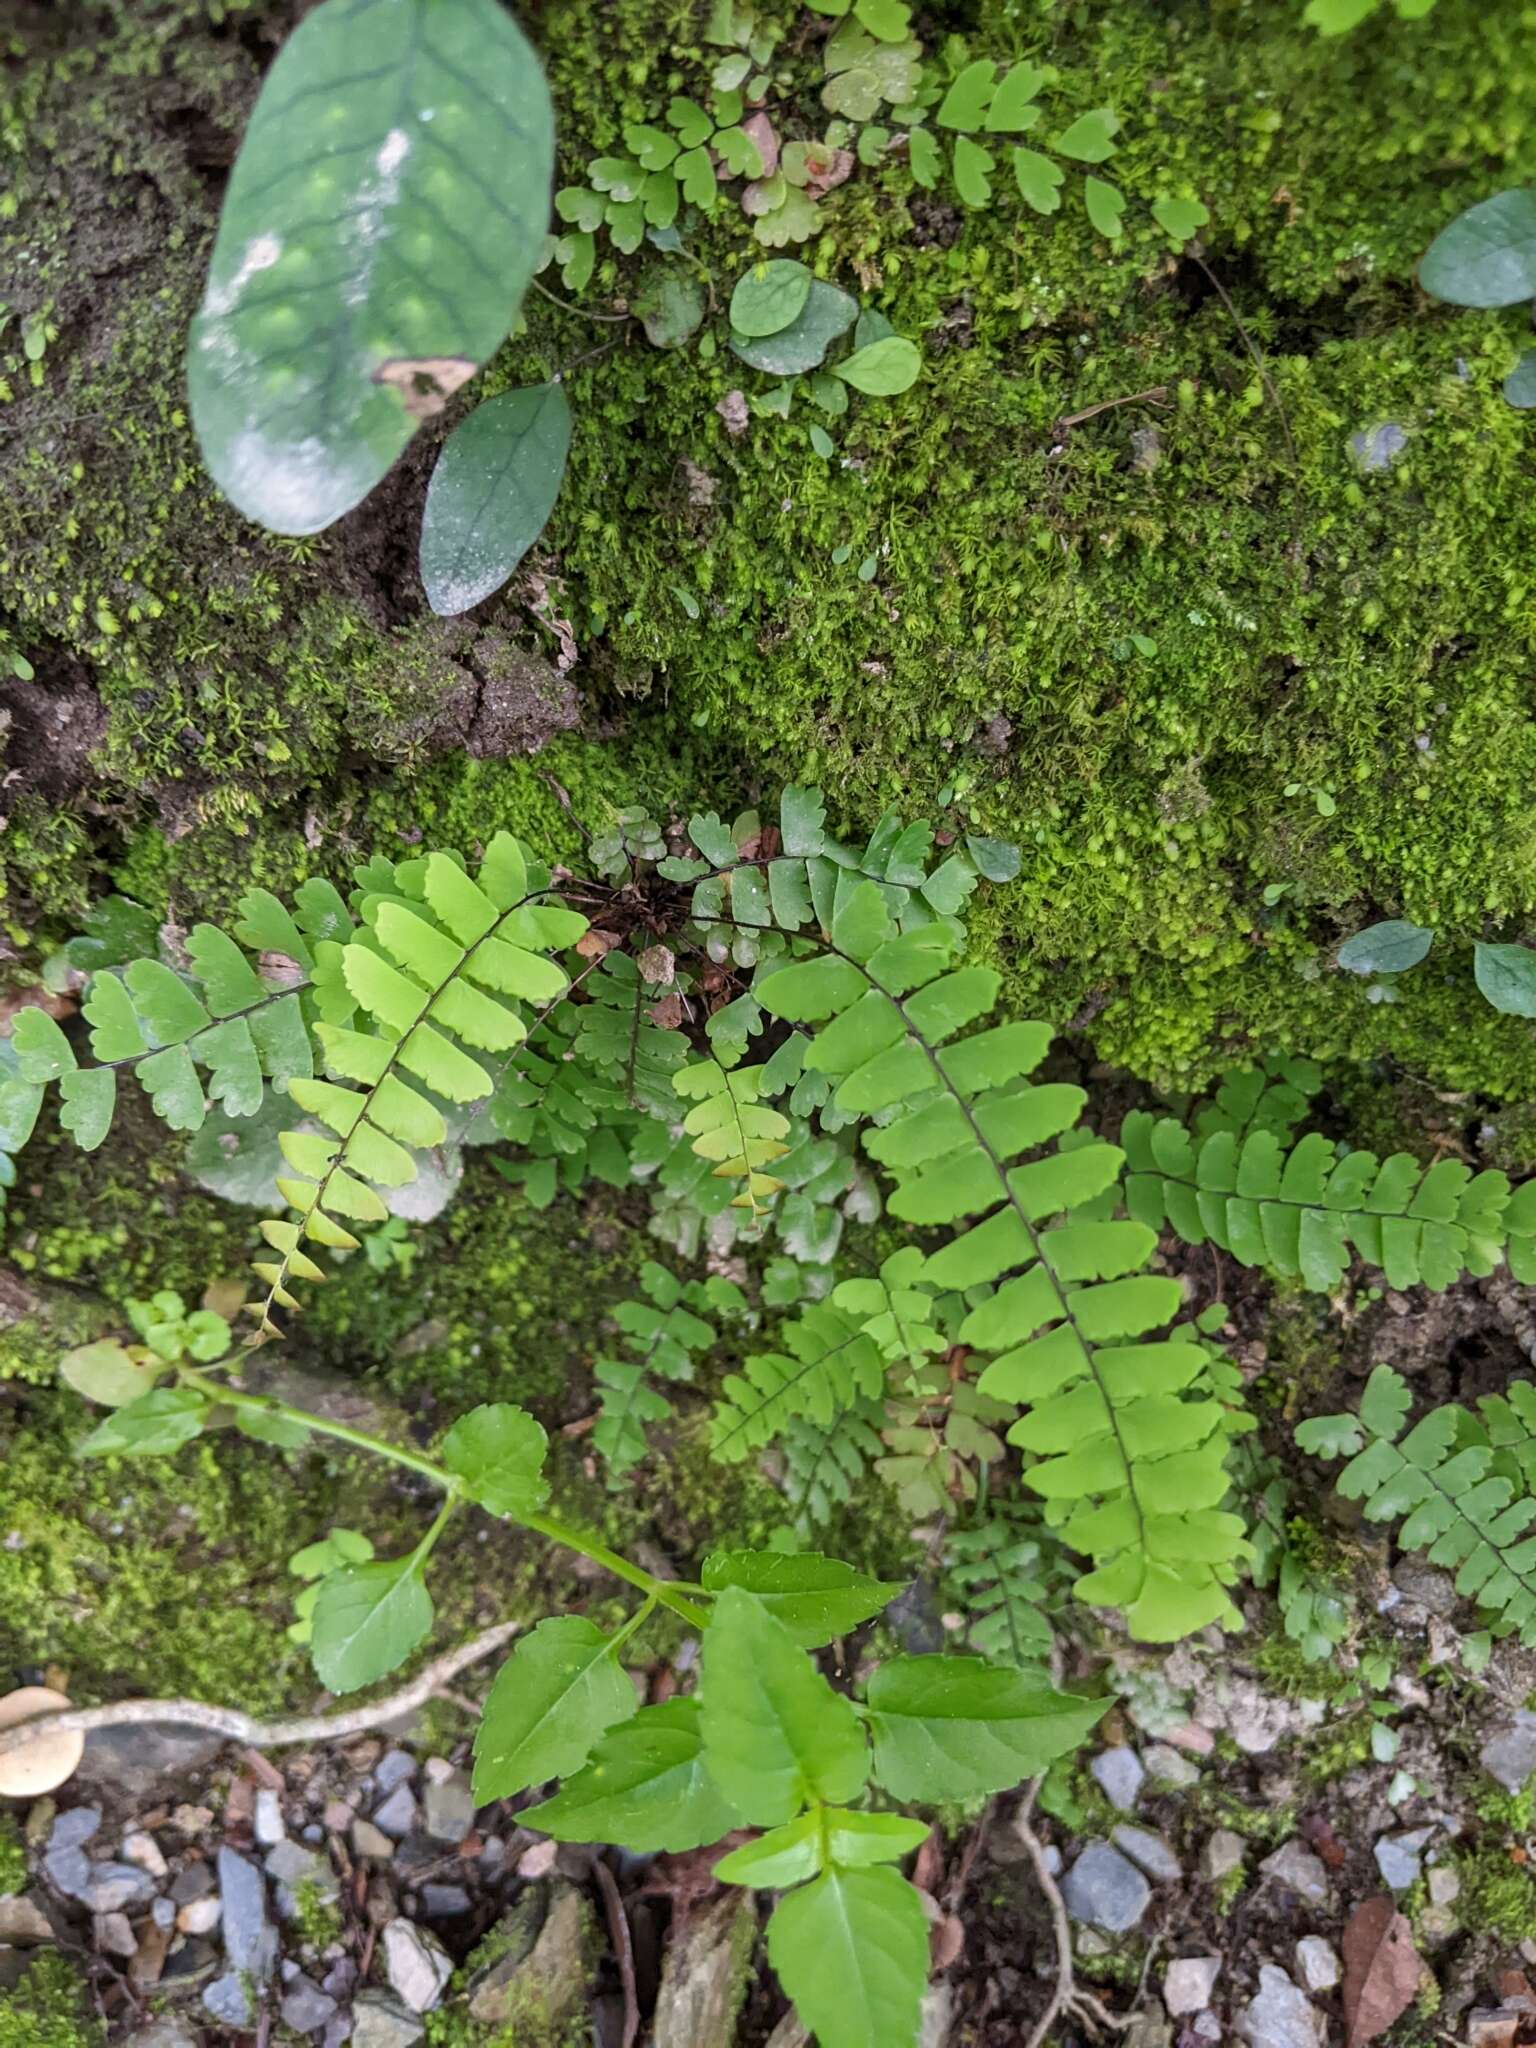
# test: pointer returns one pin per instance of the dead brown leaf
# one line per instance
(1381, 1969)
(593, 944)
(425, 383)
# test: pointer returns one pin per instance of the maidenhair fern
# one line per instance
(662, 1336)
(1299, 1210)
(1127, 1444)
(995, 1575)
(1462, 1483)
(776, 1036)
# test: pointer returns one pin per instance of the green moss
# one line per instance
(1497, 1895)
(47, 2008)
(316, 1915)
(13, 1857)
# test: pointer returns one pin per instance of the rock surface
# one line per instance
(1189, 1982)
(1103, 1889)
(1280, 2015)
(704, 1977)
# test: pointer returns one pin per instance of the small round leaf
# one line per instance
(1507, 977)
(883, 368)
(769, 297)
(106, 1373)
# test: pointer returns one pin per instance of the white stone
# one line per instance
(201, 1916)
(1189, 1982)
(268, 1822)
(1316, 1964)
(417, 1968)
(142, 1848)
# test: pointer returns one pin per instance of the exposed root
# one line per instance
(235, 1726)
(1067, 1997)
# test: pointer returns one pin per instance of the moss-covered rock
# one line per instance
(1237, 682)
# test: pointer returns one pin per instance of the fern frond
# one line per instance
(1272, 1097)
(824, 1462)
(1298, 1211)
(441, 969)
(993, 1575)
(1128, 1444)
(827, 1362)
(164, 1025)
(1462, 1497)
(939, 1439)
(661, 1336)
(733, 1129)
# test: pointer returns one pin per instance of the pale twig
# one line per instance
(618, 1929)
(1066, 1997)
(235, 1726)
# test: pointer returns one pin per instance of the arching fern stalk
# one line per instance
(1128, 1444)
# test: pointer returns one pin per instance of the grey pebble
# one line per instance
(1118, 1774)
(1104, 1890)
(305, 2007)
(1149, 1852)
(397, 1815)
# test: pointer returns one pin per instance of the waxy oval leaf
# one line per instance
(1487, 256)
(382, 221)
(491, 494)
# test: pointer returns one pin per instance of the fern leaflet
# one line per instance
(1460, 1482)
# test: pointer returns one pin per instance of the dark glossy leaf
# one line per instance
(1507, 977)
(1391, 947)
(382, 221)
(491, 494)
(1487, 256)
(826, 315)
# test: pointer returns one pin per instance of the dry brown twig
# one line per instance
(235, 1726)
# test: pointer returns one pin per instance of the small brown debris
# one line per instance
(425, 383)
(1381, 1972)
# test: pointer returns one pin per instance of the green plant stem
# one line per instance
(654, 1589)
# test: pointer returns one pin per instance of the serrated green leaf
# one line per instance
(782, 1857)
(646, 1788)
(816, 1598)
(956, 1728)
(367, 1620)
(358, 279)
(498, 1452)
(776, 1735)
(559, 1691)
(151, 1426)
(851, 1950)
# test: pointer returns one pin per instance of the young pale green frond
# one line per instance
(1299, 1209)
(993, 1574)
(1128, 1445)
(824, 1462)
(733, 1128)
(1460, 1484)
(442, 969)
(218, 1018)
